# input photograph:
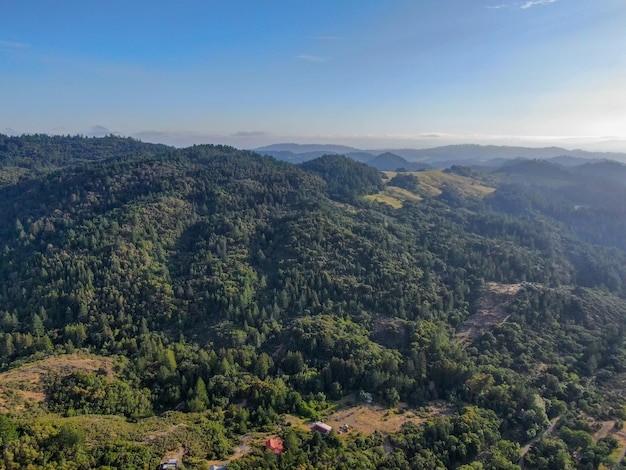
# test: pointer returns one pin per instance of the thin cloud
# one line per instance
(13, 45)
(385, 141)
(311, 58)
(532, 3)
(521, 5)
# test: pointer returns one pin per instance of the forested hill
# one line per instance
(247, 293)
(39, 152)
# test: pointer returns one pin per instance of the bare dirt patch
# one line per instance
(491, 310)
(607, 426)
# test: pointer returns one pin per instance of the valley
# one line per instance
(159, 302)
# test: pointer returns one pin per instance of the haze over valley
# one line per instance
(313, 235)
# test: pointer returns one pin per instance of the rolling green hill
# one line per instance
(243, 292)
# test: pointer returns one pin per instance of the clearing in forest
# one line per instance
(367, 419)
(24, 383)
(607, 428)
(491, 309)
(433, 180)
(393, 196)
(431, 183)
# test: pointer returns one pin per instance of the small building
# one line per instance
(274, 445)
(217, 467)
(170, 464)
(321, 428)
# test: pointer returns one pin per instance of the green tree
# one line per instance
(8, 430)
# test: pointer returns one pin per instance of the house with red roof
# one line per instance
(275, 445)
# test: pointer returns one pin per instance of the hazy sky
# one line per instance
(369, 73)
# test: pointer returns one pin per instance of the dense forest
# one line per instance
(223, 295)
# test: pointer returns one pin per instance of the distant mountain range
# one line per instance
(438, 157)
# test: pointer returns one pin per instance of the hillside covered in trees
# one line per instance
(228, 293)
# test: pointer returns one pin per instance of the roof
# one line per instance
(275, 445)
(319, 426)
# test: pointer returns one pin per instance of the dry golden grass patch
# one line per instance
(431, 182)
(385, 199)
(618, 454)
(298, 423)
(367, 419)
(24, 383)
(402, 194)
(393, 196)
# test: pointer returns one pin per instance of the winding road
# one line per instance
(527, 447)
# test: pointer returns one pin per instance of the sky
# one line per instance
(366, 73)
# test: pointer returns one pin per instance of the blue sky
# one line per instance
(367, 73)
